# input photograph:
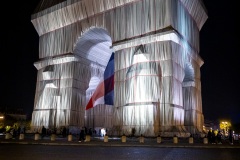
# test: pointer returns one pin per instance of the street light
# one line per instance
(225, 128)
(224, 125)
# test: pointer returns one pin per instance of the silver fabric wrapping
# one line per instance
(157, 88)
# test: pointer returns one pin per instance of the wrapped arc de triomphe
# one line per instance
(157, 87)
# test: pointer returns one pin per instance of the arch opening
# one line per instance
(95, 46)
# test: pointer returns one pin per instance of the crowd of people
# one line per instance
(45, 131)
(217, 137)
(16, 131)
(64, 131)
(214, 137)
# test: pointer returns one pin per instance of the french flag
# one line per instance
(104, 92)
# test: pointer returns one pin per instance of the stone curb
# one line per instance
(119, 144)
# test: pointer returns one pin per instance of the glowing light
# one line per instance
(225, 125)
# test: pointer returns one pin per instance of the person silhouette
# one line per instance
(81, 135)
(219, 137)
(230, 136)
(44, 132)
(209, 136)
(64, 131)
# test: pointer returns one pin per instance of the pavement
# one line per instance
(117, 141)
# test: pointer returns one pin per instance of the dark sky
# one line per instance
(218, 48)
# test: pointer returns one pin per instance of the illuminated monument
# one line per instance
(157, 88)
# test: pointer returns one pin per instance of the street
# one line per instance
(62, 152)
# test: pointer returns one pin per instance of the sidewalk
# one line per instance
(117, 142)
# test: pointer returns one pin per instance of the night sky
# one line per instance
(218, 48)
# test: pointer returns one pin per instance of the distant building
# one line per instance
(1, 115)
(18, 116)
(15, 113)
(210, 124)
